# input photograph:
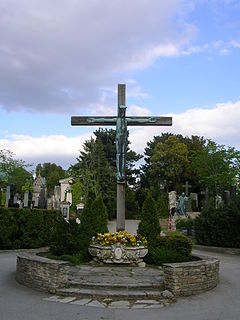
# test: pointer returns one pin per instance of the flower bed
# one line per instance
(118, 247)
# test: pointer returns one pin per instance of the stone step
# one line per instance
(113, 293)
(114, 285)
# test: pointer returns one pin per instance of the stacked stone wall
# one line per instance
(185, 279)
(41, 273)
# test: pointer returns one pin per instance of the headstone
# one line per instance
(79, 207)
(57, 198)
(172, 196)
(26, 199)
(8, 195)
(39, 192)
(226, 197)
(206, 193)
(218, 202)
(65, 209)
(194, 198)
(66, 189)
(16, 200)
(187, 186)
(42, 199)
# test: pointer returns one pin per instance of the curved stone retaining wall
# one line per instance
(41, 273)
(182, 279)
(188, 278)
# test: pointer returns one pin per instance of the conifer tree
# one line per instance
(149, 225)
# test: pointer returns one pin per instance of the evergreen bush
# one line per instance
(170, 249)
(94, 217)
(219, 227)
(185, 224)
(70, 242)
(149, 226)
(27, 228)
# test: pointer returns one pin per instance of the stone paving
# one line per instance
(109, 303)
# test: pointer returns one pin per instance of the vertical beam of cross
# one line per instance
(121, 186)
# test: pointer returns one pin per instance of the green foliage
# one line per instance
(219, 227)
(171, 248)
(216, 166)
(70, 242)
(163, 204)
(94, 217)
(159, 157)
(13, 171)
(76, 195)
(169, 161)
(178, 242)
(158, 256)
(26, 228)
(185, 223)
(149, 226)
(8, 230)
(132, 207)
(99, 212)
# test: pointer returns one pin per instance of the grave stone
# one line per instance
(16, 200)
(39, 192)
(42, 203)
(26, 199)
(65, 209)
(172, 196)
(218, 202)
(194, 197)
(226, 197)
(79, 207)
(8, 195)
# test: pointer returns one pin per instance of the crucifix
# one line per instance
(186, 186)
(121, 121)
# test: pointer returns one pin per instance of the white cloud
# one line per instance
(55, 56)
(219, 123)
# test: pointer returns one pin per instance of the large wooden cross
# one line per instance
(121, 122)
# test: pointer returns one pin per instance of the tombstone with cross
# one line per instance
(121, 121)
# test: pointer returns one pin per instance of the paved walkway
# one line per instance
(19, 302)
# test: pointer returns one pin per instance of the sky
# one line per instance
(63, 58)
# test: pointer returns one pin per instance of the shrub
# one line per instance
(26, 228)
(185, 223)
(178, 242)
(8, 230)
(158, 256)
(94, 217)
(219, 227)
(149, 226)
(171, 248)
(70, 242)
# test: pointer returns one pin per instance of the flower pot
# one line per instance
(117, 253)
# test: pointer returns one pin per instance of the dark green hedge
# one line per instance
(171, 248)
(27, 228)
(219, 227)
